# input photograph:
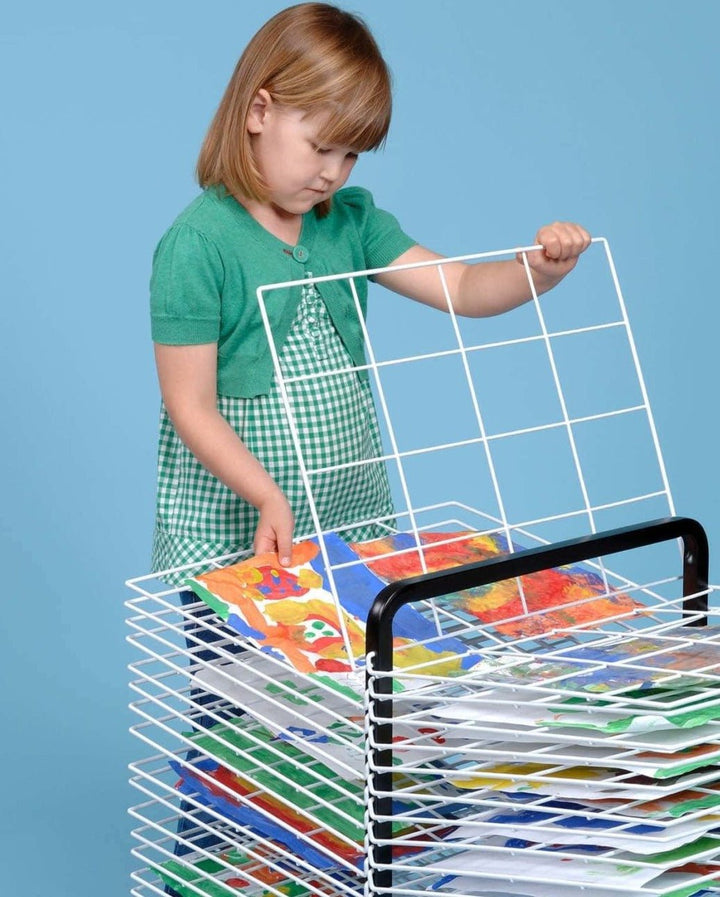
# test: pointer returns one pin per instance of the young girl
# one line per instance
(309, 95)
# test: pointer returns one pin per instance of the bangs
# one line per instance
(360, 119)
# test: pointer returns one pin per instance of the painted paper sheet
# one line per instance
(543, 826)
(326, 721)
(527, 713)
(622, 872)
(291, 612)
(584, 782)
(556, 599)
(246, 875)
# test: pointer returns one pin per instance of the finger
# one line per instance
(284, 550)
(563, 240)
(549, 238)
(264, 543)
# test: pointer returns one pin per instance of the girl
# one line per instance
(310, 93)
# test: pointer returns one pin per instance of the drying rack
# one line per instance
(485, 740)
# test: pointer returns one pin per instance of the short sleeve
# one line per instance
(382, 237)
(186, 288)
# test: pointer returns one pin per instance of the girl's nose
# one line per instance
(331, 169)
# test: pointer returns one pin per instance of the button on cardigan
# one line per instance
(209, 264)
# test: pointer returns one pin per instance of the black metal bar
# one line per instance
(379, 636)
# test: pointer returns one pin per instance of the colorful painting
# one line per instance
(658, 665)
(321, 819)
(234, 871)
(555, 599)
(292, 614)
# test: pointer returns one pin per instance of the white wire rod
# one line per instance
(508, 732)
(475, 740)
(262, 745)
(463, 625)
(237, 871)
(150, 678)
(159, 723)
(220, 817)
(147, 887)
(702, 822)
(548, 752)
(370, 272)
(187, 630)
(543, 701)
(425, 861)
(595, 809)
(544, 831)
(639, 374)
(275, 859)
(591, 628)
(326, 685)
(144, 638)
(323, 730)
(427, 883)
(607, 859)
(547, 803)
(253, 837)
(300, 457)
(615, 695)
(404, 488)
(608, 506)
(290, 690)
(473, 440)
(135, 583)
(563, 405)
(480, 422)
(211, 624)
(444, 353)
(228, 658)
(483, 678)
(513, 875)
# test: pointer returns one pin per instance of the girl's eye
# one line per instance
(322, 150)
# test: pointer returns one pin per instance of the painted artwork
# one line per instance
(658, 664)
(555, 599)
(321, 819)
(233, 871)
(291, 612)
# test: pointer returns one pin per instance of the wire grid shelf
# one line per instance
(493, 772)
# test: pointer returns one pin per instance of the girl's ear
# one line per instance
(259, 109)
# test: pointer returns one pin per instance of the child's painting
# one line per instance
(555, 599)
(292, 614)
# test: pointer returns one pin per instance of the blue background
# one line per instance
(508, 115)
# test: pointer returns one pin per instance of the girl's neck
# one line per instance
(281, 224)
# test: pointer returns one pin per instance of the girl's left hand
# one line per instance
(562, 243)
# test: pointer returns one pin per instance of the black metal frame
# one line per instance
(379, 635)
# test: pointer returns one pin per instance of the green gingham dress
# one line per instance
(199, 518)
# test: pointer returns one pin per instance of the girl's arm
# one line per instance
(188, 383)
(489, 288)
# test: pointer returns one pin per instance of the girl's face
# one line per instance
(298, 169)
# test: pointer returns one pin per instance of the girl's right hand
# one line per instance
(275, 528)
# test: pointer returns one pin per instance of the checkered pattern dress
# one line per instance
(199, 518)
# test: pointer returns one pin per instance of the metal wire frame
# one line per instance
(171, 675)
(408, 519)
(502, 759)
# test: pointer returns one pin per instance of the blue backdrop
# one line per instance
(509, 114)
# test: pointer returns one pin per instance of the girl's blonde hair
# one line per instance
(314, 57)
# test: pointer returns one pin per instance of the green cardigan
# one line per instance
(209, 264)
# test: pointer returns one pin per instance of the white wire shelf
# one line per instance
(552, 734)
